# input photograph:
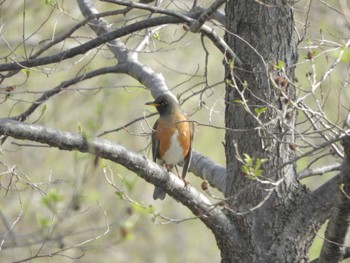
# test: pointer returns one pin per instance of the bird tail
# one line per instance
(158, 193)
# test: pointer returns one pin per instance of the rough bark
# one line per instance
(261, 36)
(333, 249)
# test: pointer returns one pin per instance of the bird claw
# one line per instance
(170, 170)
(185, 182)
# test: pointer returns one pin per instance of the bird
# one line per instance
(171, 138)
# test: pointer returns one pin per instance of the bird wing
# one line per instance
(155, 143)
(188, 157)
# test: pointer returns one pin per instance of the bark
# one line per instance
(333, 249)
(261, 35)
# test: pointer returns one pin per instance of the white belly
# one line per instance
(174, 154)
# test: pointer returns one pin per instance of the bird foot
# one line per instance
(185, 182)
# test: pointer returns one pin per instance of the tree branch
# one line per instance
(205, 15)
(83, 48)
(219, 16)
(313, 211)
(318, 171)
(205, 168)
(154, 9)
(201, 166)
(333, 245)
(211, 215)
(64, 85)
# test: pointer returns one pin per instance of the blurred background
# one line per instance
(54, 199)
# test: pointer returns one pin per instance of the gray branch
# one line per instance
(83, 48)
(206, 15)
(205, 168)
(201, 166)
(219, 16)
(319, 170)
(333, 246)
(211, 215)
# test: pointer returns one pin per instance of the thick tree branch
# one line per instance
(145, 75)
(211, 215)
(205, 168)
(314, 210)
(337, 228)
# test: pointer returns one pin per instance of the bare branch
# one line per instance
(220, 44)
(217, 15)
(333, 250)
(206, 15)
(64, 85)
(83, 48)
(319, 170)
(150, 8)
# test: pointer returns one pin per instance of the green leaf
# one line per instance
(102, 163)
(43, 109)
(308, 41)
(26, 71)
(231, 64)
(120, 194)
(43, 222)
(51, 199)
(130, 184)
(126, 229)
(156, 36)
(259, 111)
(80, 128)
(346, 55)
(51, 2)
(143, 210)
(252, 166)
(280, 65)
(245, 84)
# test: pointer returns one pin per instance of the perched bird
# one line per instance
(171, 139)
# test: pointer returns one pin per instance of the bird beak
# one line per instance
(152, 103)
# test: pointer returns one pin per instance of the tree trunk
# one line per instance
(259, 122)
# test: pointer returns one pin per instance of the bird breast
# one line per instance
(174, 154)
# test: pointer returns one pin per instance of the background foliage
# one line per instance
(53, 200)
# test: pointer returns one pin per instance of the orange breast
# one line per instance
(165, 131)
